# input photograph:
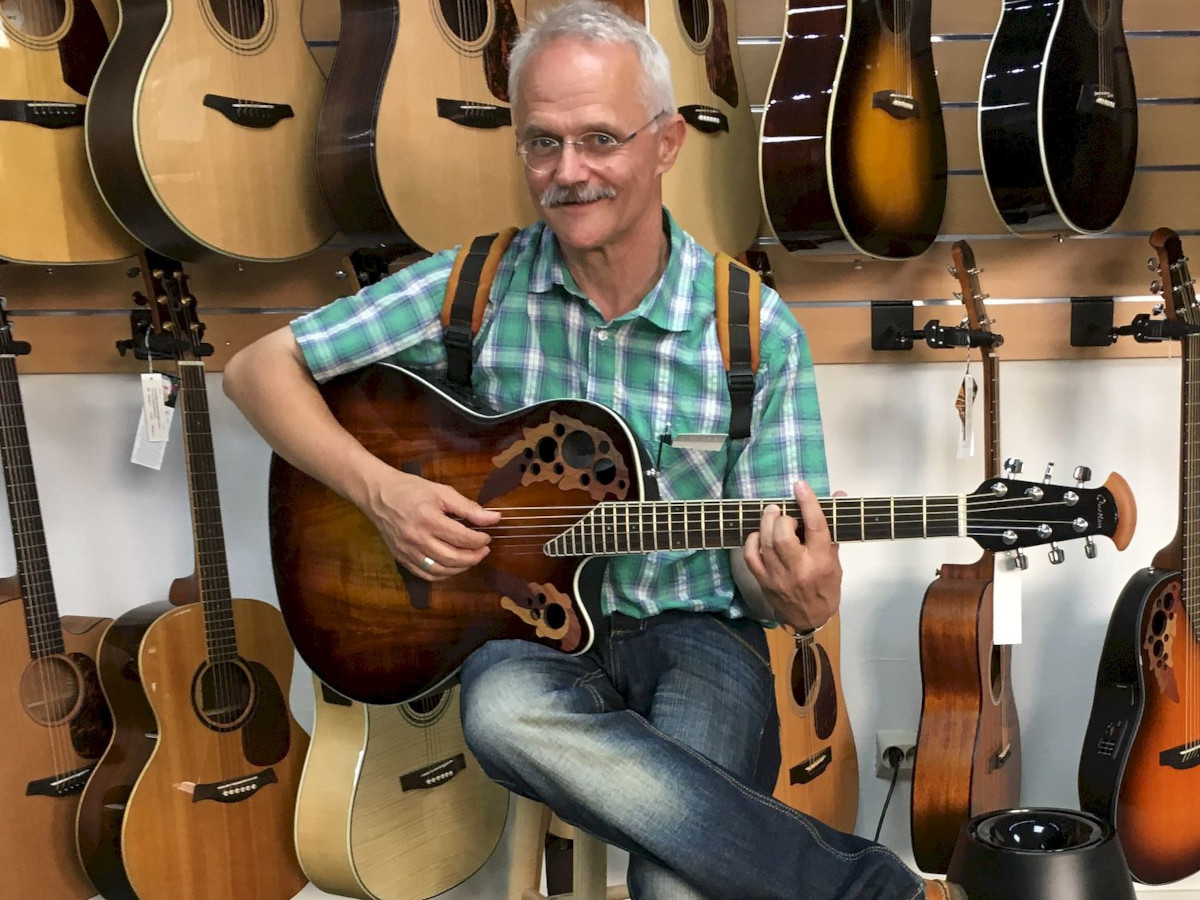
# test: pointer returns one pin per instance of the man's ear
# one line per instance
(671, 136)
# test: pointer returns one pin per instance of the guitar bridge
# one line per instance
(810, 769)
(1185, 756)
(432, 776)
(234, 790)
(1094, 98)
(705, 119)
(474, 115)
(1000, 758)
(59, 785)
(42, 113)
(895, 104)
(249, 113)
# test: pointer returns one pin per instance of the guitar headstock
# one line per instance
(1005, 514)
(970, 292)
(8, 346)
(174, 325)
(1178, 288)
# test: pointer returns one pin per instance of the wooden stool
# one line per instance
(532, 821)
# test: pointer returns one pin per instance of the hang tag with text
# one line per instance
(965, 404)
(154, 422)
(1006, 599)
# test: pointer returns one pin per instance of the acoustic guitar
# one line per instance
(969, 739)
(1140, 763)
(1058, 116)
(392, 805)
(416, 142)
(574, 485)
(50, 210)
(56, 723)
(200, 130)
(209, 817)
(852, 154)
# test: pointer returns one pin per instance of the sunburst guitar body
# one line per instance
(818, 774)
(201, 130)
(50, 210)
(853, 147)
(393, 806)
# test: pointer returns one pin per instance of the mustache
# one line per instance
(562, 195)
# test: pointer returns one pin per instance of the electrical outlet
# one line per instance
(905, 740)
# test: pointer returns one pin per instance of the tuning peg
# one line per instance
(958, 295)
(1152, 265)
(1089, 548)
(1056, 555)
(1021, 560)
(1013, 465)
(1082, 475)
(1159, 308)
(953, 270)
(1049, 469)
(1156, 286)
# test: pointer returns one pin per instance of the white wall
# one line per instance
(118, 534)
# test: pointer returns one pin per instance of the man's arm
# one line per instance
(270, 383)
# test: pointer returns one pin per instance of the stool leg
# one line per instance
(530, 821)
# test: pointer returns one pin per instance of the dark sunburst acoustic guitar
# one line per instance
(1140, 764)
(50, 210)
(201, 127)
(852, 153)
(572, 482)
(55, 721)
(1058, 116)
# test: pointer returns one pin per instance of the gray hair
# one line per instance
(600, 22)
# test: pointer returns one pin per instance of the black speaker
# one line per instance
(1040, 854)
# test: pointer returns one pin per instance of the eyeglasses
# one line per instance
(543, 153)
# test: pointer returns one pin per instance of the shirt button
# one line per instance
(602, 334)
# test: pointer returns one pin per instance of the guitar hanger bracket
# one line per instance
(144, 343)
(891, 320)
(1092, 322)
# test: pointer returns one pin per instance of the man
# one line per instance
(650, 740)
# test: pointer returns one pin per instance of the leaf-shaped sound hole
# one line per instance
(466, 19)
(696, 16)
(37, 18)
(242, 20)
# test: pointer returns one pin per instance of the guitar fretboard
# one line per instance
(212, 571)
(1183, 298)
(646, 527)
(33, 562)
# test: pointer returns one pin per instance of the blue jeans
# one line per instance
(650, 742)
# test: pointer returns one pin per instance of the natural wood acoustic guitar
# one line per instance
(392, 805)
(852, 153)
(1140, 763)
(969, 739)
(201, 126)
(50, 210)
(210, 814)
(55, 721)
(573, 483)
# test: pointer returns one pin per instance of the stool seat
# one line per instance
(532, 821)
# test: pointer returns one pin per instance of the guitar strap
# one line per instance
(738, 296)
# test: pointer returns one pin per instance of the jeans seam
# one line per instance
(745, 643)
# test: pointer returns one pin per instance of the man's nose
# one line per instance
(572, 166)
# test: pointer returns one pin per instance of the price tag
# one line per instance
(1006, 599)
(154, 422)
(965, 404)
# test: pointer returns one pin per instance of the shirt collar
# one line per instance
(670, 304)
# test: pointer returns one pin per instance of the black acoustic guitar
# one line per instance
(1058, 116)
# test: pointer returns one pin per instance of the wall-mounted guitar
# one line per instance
(210, 815)
(50, 210)
(1058, 116)
(200, 129)
(1140, 764)
(969, 740)
(572, 481)
(416, 140)
(852, 153)
(55, 721)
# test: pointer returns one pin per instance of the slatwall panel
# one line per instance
(73, 315)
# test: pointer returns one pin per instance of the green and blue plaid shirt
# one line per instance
(658, 366)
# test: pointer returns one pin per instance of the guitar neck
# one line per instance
(33, 562)
(212, 571)
(646, 527)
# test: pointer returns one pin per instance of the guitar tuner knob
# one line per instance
(1049, 469)
(1156, 286)
(1021, 560)
(1082, 475)
(1013, 465)
(1089, 548)
(958, 295)
(1056, 555)
(1152, 264)
(1159, 309)
(953, 270)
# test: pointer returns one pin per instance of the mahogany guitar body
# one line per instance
(853, 149)
(1139, 766)
(50, 209)
(969, 741)
(818, 774)
(210, 817)
(56, 725)
(200, 131)
(386, 791)
(102, 805)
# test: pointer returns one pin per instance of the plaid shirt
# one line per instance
(658, 366)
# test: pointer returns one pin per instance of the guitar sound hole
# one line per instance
(996, 673)
(894, 15)
(467, 19)
(697, 19)
(1098, 12)
(39, 18)
(424, 711)
(804, 675)
(51, 690)
(240, 19)
(223, 694)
